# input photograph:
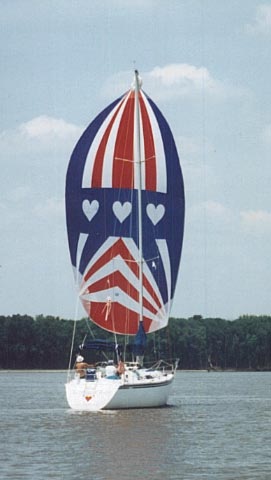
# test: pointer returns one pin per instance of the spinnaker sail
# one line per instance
(102, 209)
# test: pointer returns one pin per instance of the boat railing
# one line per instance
(100, 369)
(164, 366)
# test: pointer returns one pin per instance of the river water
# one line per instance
(217, 427)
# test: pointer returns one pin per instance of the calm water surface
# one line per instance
(217, 427)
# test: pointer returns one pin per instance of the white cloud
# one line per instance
(33, 178)
(43, 133)
(44, 127)
(256, 221)
(183, 76)
(262, 22)
(172, 81)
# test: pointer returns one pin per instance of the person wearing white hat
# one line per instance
(79, 358)
(80, 366)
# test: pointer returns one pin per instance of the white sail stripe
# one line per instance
(80, 247)
(136, 153)
(89, 164)
(118, 264)
(107, 172)
(161, 168)
(124, 300)
(108, 157)
(163, 321)
(143, 159)
(163, 250)
(130, 244)
(77, 277)
(110, 241)
(132, 247)
(148, 274)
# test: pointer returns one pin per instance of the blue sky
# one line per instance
(207, 66)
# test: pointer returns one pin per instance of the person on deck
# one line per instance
(80, 366)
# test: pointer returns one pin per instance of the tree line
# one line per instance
(44, 342)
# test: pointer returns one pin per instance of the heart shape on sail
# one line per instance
(122, 210)
(90, 208)
(155, 213)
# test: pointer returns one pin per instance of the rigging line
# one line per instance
(134, 161)
(73, 335)
(130, 160)
(114, 330)
(89, 328)
(149, 158)
(93, 336)
(203, 146)
(154, 346)
(109, 310)
(144, 260)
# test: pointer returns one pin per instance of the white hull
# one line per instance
(113, 394)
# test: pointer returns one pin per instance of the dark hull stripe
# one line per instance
(146, 385)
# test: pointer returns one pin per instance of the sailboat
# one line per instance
(125, 222)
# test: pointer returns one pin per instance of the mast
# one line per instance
(139, 171)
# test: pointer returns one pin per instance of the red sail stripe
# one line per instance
(150, 158)
(99, 158)
(123, 166)
(116, 279)
(119, 316)
(119, 248)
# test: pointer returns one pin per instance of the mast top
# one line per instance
(137, 84)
